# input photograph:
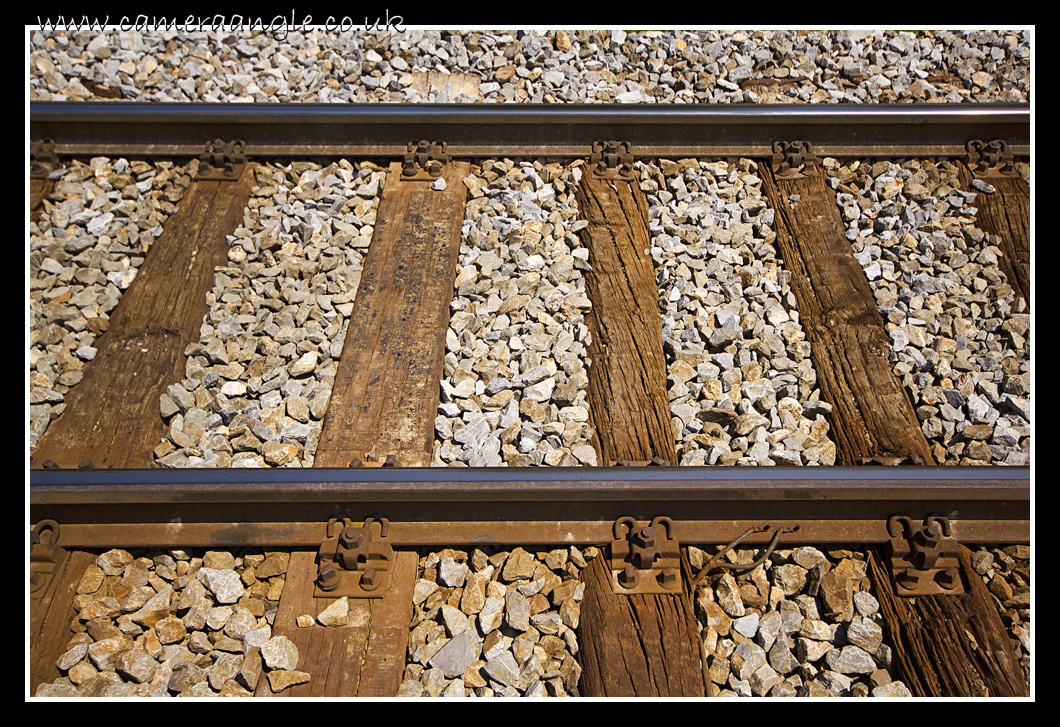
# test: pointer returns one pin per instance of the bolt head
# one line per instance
(948, 579)
(628, 577)
(668, 578)
(646, 536)
(371, 579)
(329, 578)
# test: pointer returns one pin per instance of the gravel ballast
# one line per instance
(259, 379)
(741, 384)
(177, 623)
(572, 66)
(87, 241)
(515, 369)
(960, 335)
(496, 623)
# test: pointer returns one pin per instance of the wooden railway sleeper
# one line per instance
(44, 556)
(925, 558)
(352, 560)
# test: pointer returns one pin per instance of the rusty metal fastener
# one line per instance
(949, 578)
(329, 578)
(370, 579)
(44, 555)
(223, 161)
(668, 578)
(646, 536)
(612, 160)
(793, 159)
(990, 160)
(352, 537)
(628, 576)
(424, 160)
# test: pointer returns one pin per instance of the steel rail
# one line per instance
(492, 130)
(285, 507)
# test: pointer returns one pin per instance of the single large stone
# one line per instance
(519, 565)
(893, 689)
(225, 585)
(91, 580)
(218, 616)
(454, 620)
(850, 660)
(72, 656)
(517, 611)
(337, 614)
(193, 594)
(747, 659)
(451, 573)
(280, 652)
(136, 664)
(866, 603)
(503, 669)
(728, 595)
(282, 679)
(747, 625)
(570, 613)
(242, 621)
(224, 667)
(716, 618)
(816, 629)
(789, 578)
(769, 627)
(256, 638)
(838, 586)
(457, 655)
(491, 615)
(57, 690)
(781, 658)
(104, 652)
(250, 669)
(304, 365)
(474, 596)
(809, 650)
(865, 633)
(113, 562)
(274, 564)
(170, 630)
(219, 560)
(808, 557)
(422, 589)
(764, 679)
(835, 683)
(156, 609)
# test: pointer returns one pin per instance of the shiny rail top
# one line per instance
(290, 507)
(487, 130)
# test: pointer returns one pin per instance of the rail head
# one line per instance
(556, 507)
(485, 130)
(526, 485)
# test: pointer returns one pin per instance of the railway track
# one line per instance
(94, 476)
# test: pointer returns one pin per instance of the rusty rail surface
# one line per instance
(436, 506)
(491, 130)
